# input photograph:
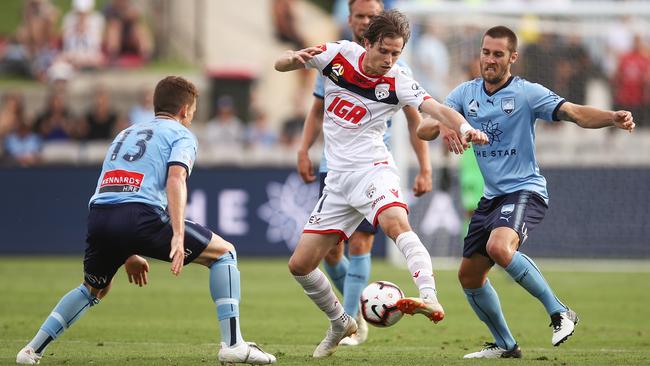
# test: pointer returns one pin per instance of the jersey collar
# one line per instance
(363, 72)
(502, 86)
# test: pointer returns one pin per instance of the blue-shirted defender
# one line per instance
(139, 209)
(515, 199)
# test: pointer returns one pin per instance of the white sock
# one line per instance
(419, 264)
(319, 290)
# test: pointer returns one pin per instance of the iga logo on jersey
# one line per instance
(344, 107)
(382, 91)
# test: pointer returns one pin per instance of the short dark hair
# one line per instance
(172, 93)
(388, 23)
(351, 2)
(501, 31)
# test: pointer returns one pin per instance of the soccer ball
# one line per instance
(378, 301)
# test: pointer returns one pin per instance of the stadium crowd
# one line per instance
(52, 47)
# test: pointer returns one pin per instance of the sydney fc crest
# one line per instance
(472, 110)
(508, 105)
(382, 91)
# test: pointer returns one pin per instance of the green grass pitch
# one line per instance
(172, 321)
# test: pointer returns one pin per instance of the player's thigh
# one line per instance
(333, 214)
(473, 271)
(520, 211)
(217, 247)
(378, 197)
(309, 252)
(155, 239)
(110, 229)
(361, 242)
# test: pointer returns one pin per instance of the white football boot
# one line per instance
(246, 352)
(27, 356)
(427, 307)
(491, 350)
(360, 336)
(328, 345)
(563, 324)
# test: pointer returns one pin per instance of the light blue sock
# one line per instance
(226, 293)
(355, 281)
(523, 270)
(337, 273)
(485, 303)
(70, 308)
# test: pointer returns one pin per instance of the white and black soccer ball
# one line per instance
(378, 301)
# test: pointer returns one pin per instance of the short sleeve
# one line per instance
(409, 92)
(319, 88)
(321, 60)
(455, 99)
(183, 151)
(543, 102)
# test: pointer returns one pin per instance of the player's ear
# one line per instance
(513, 57)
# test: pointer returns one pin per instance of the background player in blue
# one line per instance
(515, 199)
(139, 208)
(350, 276)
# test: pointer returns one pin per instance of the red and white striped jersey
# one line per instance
(357, 106)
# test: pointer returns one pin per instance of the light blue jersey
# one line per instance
(319, 92)
(135, 166)
(507, 117)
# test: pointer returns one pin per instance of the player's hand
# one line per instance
(453, 141)
(136, 269)
(423, 183)
(624, 120)
(177, 254)
(304, 167)
(304, 55)
(476, 137)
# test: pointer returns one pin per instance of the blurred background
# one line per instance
(73, 73)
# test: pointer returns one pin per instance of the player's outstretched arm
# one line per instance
(591, 117)
(294, 60)
(136, 269)
(431, 128)
(454, 121)
(312, 128)
(177, 199)
(422, 183)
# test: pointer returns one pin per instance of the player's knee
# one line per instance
(498, 252)
(469, 279)
(298, 268)
(98, 293)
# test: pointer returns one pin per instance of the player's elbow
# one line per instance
(428, 130)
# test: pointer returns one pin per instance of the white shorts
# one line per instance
(349, 197)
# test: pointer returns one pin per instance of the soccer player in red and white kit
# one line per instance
(364, 88)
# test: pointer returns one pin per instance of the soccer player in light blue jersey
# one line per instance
(139, 209)
(350, 276)
(515, 199)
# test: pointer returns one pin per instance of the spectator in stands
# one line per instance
(101, 119)
(631, 82)
(539, 60)
(128, 41)
(83, 31)
(23, 146)
(56, 122)
(143, 111)
(286, 31)
(11, 113)
(573, 69)
(38, 35)
(259, 135)
(225, 128)
(431, 62)
(292, 130)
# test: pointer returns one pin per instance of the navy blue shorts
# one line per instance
(365, 226)
(520, 211)
(115, 232)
